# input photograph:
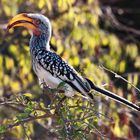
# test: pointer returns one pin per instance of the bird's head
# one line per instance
(37, 23)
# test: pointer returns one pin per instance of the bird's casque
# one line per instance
(50, 68)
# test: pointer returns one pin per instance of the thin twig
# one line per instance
(111, 17)
(91, 109)
(24, 129)
(29, 120)
(120, 77)
(8, 103)
(102, 135)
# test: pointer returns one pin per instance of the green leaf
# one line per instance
(28, 110)
(22, 116)
(2, 129)
(28, 95)
(61, 85)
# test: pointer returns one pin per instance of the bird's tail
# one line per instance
(113, 96)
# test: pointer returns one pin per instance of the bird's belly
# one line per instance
(46, 77)
(50, 80)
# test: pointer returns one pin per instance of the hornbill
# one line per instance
(49, 67)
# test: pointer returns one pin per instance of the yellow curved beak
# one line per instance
(21, 20)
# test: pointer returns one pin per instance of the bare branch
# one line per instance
(29, 120)
(119, 76)
(113, 20)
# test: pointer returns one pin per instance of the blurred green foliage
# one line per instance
(78, 38)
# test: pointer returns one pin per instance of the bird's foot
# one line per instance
(43, 85)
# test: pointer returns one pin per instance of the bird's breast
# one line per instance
(45, 76)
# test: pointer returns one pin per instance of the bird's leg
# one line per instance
(45, 88)
(41, 83)
(52, 98)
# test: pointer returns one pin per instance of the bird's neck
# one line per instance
(39, 42)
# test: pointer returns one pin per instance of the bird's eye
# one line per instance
(37, 21)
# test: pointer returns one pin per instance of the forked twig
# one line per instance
(118, 76)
